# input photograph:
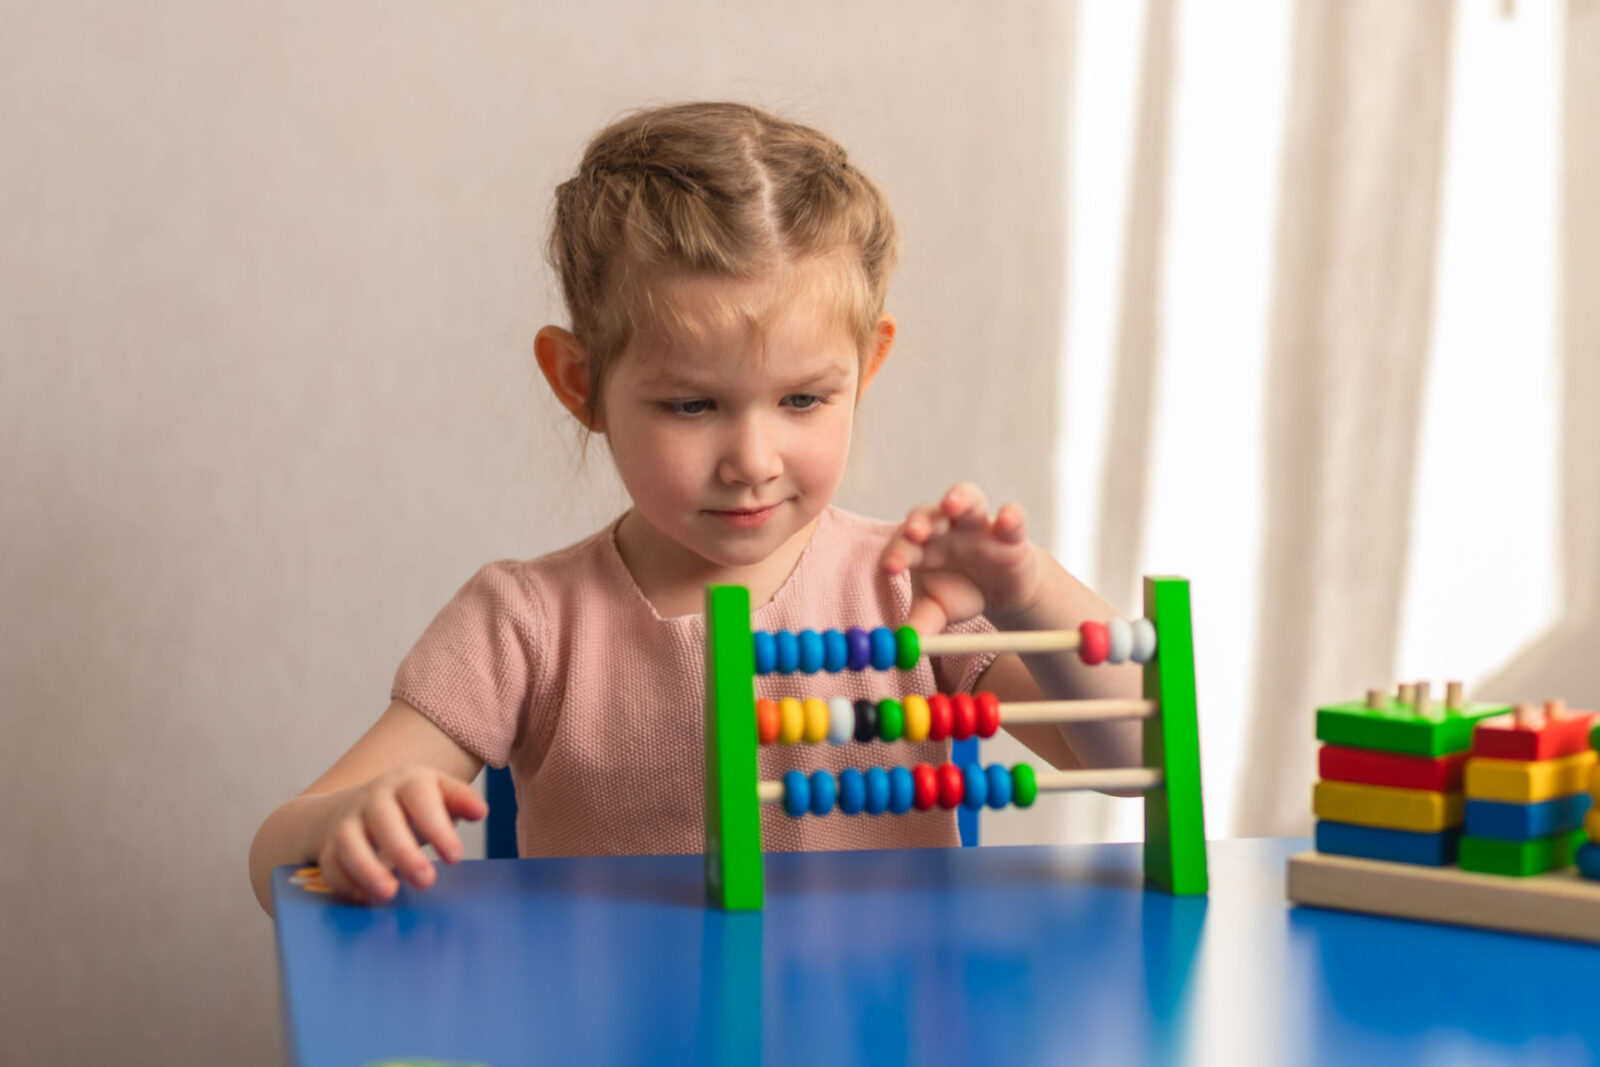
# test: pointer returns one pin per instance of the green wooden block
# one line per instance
(1488, 855)
(733, 816)
(1174, 815)
(1396, 727)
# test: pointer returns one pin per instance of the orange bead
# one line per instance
(766, 721)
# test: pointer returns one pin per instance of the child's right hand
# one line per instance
(372, 832)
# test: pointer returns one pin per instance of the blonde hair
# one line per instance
(719, 189)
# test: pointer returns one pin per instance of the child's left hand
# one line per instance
(964, 563)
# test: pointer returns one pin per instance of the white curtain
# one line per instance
(1332, 351)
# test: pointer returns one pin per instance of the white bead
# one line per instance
(1144, 641)
(1120, 644)
(841, 720)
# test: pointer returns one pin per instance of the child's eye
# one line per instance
(804, 401)
(686, 407)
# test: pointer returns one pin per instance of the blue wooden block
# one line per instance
(1524, 822)
(1588, 860)
(1395, 846)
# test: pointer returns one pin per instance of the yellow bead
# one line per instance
(791, 721)
(816, 719)
(917, 718)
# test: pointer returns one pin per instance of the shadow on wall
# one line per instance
(1563, 660)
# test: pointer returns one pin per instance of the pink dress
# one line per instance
(560, 668)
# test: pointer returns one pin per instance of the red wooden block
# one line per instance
(1370, 766)
(1501, 738)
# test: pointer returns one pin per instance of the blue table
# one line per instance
(979, 955)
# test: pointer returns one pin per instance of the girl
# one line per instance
(726, 273)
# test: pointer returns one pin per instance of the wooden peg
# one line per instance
(1422, 698)
(1408, 693)
(1522, 715)
(1376, 699)
(1452, 696)
(1555, 708)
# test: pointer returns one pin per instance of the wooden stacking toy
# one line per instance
(736, 723)
(1476, 814)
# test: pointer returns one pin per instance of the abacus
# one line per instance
(736, 722)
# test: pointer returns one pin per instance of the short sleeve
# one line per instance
(959, 674)
(472, 672)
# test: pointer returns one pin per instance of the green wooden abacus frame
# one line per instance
(1174, 821)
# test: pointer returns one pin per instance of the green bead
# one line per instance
(1023, 786)
(891, 720)
(908, 648)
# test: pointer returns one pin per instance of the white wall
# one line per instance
(268, 285)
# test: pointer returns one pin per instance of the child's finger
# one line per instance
(1010, 525)
(367, 872)
(397, 844)
(923, 523)
(424, 806)
(343, 885)
(926, 616)
(461, 801)
(965, 506)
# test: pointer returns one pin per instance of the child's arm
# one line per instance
(964, 563)
(361, 819)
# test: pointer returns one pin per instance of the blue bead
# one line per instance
(975, 787)
(852, 791)
(877, 791)
(822, 792)
(796, 794)
(999, 786)
(860, 648)
(810, 651)
(901, 790)
(835, 651)
(766, 652)
(788, 651)
(884, 649)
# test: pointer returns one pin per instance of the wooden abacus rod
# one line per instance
(1141, 778)
(1017, 641)
(1023, 712)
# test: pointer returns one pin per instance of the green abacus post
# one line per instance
(1174, 817)
(733, 817)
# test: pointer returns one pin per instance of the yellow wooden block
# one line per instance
(1515, 781)
(1594, 781)
(1591, 824)
(1421, 810)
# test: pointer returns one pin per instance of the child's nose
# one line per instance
(751, 455)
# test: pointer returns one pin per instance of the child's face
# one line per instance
(732, 442)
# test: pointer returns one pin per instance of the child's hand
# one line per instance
(962, 562)
(373, 832)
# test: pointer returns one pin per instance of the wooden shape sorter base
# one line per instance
(1559, 904)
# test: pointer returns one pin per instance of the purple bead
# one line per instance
(860, 648)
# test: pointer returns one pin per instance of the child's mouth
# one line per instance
(746, 518)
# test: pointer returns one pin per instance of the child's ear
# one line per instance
(565, 364)
(882, 340)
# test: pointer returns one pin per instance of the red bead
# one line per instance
(938, 717)
(1096, 642)
(952, 786)
(766, 721)
(924, 787)
(963, 716)
(988, 714)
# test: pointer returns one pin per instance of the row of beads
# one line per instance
(1117, 641)
(854, 649)
(791, 720)
(899, 789)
